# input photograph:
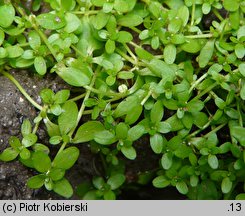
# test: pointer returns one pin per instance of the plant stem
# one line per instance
(214, 130)
(135, 29)
(193, 13)
(217, 14)
(108, 94)
(131, 60)
(78, 97)
(146, 98)
(205, 91)
(131, 53)
(92, 12)
(209, 35)
(22, 90)
(197, 82)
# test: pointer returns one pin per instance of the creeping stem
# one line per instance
(22, 90)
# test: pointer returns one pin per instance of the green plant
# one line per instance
(146, 70)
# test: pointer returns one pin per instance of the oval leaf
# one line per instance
(87, 131)
(76, 77)
(63, 188)
(67, 158)
(116, 181)
(41, 161)
(68, 118)
(51, 21)
(160, 182)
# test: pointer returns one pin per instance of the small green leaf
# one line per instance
(47, 96)
(7, 14)
(9, 154)
(74, 76)
(66, 159)
(163, 127)
(121, 6)
(241, 68)
(25, 154)
(206, 8)
(192, 46)
(136, 132)
(72, 22)
(242, 93)
(156, 142)
(116, 181)
(98, 182)
(51, 21)
(41, 147)
(130, 20)
(238, 133)
(213, 161)
(29, 140)
(68, 119)
(98, 3)
(121, 131)
(226, 185)
(160, 182)
(34, 40)
(182, 187)
(14, 51)
(40, 65)
(239, 50)
(41, 161)
(110, 46)
(67, 4)
(109, 195)
(241, 32)
(240, 196)
(231, 5)
(63, 188)
(61, 96)
(124, 37)
(194, 180)
(56, 109)
(15, 142)
(206, 53)
(169, 53)
(54, 140)
(161, 69)
(56, 174)
(183, 14)
(157, 112)
(36, 182)
(87, 131)
(155, 42)
(100, 20)
(105, 137)
(175, 25)
(129, 152)
(195, 106)
(125, 75)
(26, 127)
(167, 160)
(53, 129)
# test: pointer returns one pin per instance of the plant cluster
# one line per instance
(146, 68)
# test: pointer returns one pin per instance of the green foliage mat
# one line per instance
(145, 69)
